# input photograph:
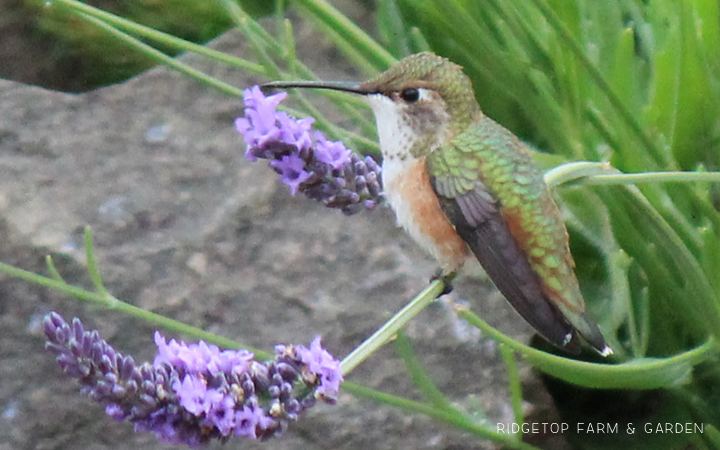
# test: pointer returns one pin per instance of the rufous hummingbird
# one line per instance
(460, 183)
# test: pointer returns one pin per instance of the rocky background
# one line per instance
(186, 227)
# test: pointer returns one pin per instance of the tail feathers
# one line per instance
(493, 244)
(589, 331)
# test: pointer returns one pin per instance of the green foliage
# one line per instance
(631, 83)
(634, 84)
(101, 59)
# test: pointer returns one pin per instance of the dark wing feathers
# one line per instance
(477, 219)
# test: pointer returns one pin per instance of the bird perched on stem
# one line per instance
(460, 183)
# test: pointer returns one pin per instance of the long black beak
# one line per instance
(344, 86)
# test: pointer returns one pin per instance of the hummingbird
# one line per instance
(461, 184)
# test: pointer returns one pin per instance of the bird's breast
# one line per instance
(409, 192)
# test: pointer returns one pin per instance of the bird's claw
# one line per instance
(446, 278)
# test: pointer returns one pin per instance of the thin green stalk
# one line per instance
(162, 57)
(287, 40)
(599, 80)
(93, 270)
(53, 270)
(367, 49)
(595, 174)
(107, 300)
(514, 385)
(509, 440)
(388, 331)
(266, 45)
(158, 36)
(52, 283)
(643, 373)
(618, 263)
(288, 43)
(605, 129)
(706, 208)
(652, 177)
(419, 41)
(256, 35)
(112, 24)
(574, 171)
(420, 376)
(282, 23)
(658, 230)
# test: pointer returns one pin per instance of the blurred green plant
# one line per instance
(627, 84)
(97, 59)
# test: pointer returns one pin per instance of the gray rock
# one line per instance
(187, 228)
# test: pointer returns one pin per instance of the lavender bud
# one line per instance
(360, 183)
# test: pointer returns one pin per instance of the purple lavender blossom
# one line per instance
(196, 358)
(320, 362)
(306, 160)
(260, 126)
(292, 169)
(193, 393)
(333, 153)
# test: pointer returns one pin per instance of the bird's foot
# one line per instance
(446, 278)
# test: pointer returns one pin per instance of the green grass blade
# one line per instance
(169, 40)
(162, 57)
(420, 376)
(363, 50)
(643, 373)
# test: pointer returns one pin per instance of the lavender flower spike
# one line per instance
(193, 393)
(306, 160)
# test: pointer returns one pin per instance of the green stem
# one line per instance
(114, 25)
(515, 386)
(107, 300)
(93, 270)
(391, 327)
(572, 171)
(652, 177)
(643, 373)
(261, 46)
(267, 47)
(510, 440)
(161, 57)
(598, 78)
(158, 36)
(53, 270)
(594, 174)
(370, 55)
(421, 377)
(111, 302)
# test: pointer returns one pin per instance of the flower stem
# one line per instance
(595, 173)
(104, 298)
(388, 331)
(507, 439)
(158, 36)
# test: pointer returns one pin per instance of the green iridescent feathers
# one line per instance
(431, 71)
(488, 173)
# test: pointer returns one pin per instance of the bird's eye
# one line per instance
(410, 95)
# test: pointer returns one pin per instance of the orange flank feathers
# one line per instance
(423, 219)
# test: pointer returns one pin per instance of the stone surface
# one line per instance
(187, 228)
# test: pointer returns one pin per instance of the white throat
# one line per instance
(396, 137)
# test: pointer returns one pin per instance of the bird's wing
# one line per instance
(493, 235)
(481, 225)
